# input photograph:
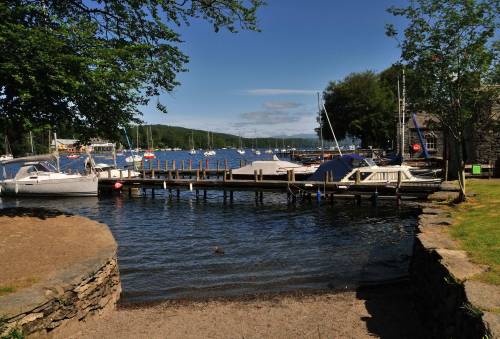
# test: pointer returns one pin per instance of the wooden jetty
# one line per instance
(186, 178)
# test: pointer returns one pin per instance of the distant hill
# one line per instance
(174, 136)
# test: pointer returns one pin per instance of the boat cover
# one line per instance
(340, 166)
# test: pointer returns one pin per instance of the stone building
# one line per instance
(432, 136)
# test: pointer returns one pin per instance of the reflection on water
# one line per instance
(166, 245)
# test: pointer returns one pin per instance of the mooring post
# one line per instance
(166, 165)
(200, 164)
(255, 175)
(190, 165)
(224, 177)
(182, 165)
(358, 177)
(399, 180)
(177, 174)
(225, 164)
(128, 173)
(150, 164)
(174, 165)
(293, 175)
(109, 173)
(158, 164)
(206, 163)
(231, 174)
(398, 198)
(261, 175)
(241, 162)
(197, 174)
(375, 198)
(152, 172)
(169, 174)
(357, 199)
(121, 174)
(204, 176)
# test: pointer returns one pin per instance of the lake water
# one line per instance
(166, 245)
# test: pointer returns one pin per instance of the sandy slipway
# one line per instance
(376, 312)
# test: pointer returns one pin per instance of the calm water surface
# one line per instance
(165, 245)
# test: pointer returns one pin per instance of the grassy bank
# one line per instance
(477, 226)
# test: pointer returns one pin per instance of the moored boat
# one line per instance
(274, 169)
(38, 177)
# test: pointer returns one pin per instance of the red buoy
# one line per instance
(415, 147)
(117, 185)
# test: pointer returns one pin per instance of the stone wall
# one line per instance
(95, 293)
(449, 303)
(56, 268)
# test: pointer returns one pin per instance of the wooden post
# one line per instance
(143, 172)
(358, 177)
(158, 165)
(231, 174)
(200, 164)
(182, 165)
(241, 162)
(218, 167)
(109, 173)
(399, 179)
(173, 165)
(288, 176)
(121, 174)
(204, 176)
(261, 175)
(206, 163)
(190, 164)
(197, 174)
(150, 164)
(152, 172)
(166, 165)
(169, 174)
(128, 173)
(224, 178)
(225, 164)
(256, 178)
(292, 174)
(177, 174)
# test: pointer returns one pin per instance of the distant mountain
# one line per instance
(174, 136)
(298, 136)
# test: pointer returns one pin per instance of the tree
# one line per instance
(90, 64)
(360, 106)
(451, 49)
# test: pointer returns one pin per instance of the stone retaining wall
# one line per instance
(448, 303)
(97, 292)
(56, 268)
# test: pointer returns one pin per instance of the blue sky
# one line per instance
(264, 83)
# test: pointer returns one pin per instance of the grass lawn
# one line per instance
(477, 226)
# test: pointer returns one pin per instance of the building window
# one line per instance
(430, 141)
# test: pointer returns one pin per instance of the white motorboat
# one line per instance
(240, 151)
(274, 169)
(209, 153)
(257, 152)
(107, 171)
(38, 177)
(268, 151)
(345, 168)
(133, 160)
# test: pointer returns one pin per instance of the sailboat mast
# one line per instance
(321, 131)
(403, 109)
(31, 142)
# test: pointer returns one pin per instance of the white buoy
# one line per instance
(191, 186)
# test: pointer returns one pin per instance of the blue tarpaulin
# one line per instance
(340, 166)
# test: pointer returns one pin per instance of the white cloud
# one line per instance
(281, 105)
(279, 91)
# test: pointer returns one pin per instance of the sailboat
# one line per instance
(134, 159)
(37, 176)
(149, 153)
(269, 150)
(256, 150)
(8, 154)
(191, 141)
(209, 152)
(241, 150)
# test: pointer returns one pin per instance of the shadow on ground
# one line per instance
(392, 314)
(36, 212)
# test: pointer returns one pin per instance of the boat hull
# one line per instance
(84, 186)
